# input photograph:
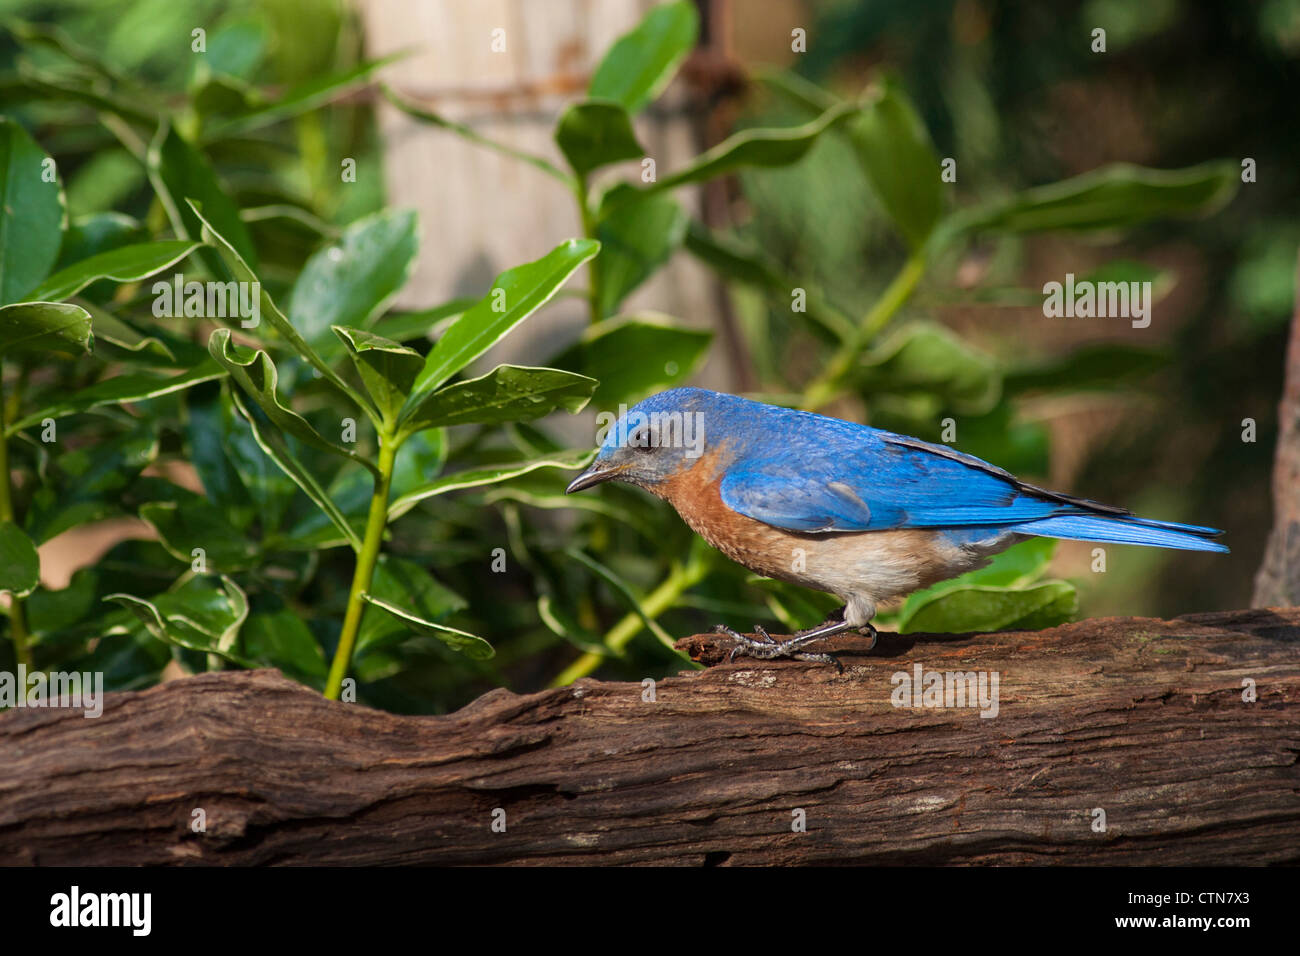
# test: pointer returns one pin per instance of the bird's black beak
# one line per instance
(592, 476)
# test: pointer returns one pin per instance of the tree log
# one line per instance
(1153, 722)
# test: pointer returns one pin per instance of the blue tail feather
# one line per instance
(1156, 534)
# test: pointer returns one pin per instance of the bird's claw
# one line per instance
(765, 648)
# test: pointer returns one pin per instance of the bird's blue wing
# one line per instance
(862, 479)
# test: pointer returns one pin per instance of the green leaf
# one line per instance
(757, 147)
(256, 374)
(237, 475)
(1018, 566)
(624, 590)
(302, 99)
(515, 295)
(44, 327)
(995, 609)
(282, 640)
(471, 645)
(20, 565)
(636, 238)
(403, 583)
(641, 62)
(193, 523)
(243, 273)
(31, 213)
(424, 324)
(594, 134)
(135, 387)
(633, 357)
(926, 358)
(895, 151)
(275, 446)
(90, 235)
(488, 475)
(351, 281)
(87, 483)
(387, 369)
(198, 615)
(126, 264)
(1113, 197)
(727, 257)
(182, 176)
(508, 393)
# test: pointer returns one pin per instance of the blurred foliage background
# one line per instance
(1147, 418)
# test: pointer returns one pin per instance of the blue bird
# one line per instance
(864, 514)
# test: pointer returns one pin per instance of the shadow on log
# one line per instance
(1141, 719)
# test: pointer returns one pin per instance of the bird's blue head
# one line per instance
(659, 437)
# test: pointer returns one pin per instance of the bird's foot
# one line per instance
(766, 648)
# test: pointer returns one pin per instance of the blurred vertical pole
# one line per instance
(482, 213)
(1278, 581)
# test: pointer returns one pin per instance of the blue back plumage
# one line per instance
(806, 472)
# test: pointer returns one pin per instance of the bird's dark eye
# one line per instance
(642, 439)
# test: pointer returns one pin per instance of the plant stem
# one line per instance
(824, 389)
(17, 615)
(366, 558)
(593, 267)
(680, 579)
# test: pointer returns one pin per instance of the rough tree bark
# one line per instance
(1143, 719)
(1278, 580)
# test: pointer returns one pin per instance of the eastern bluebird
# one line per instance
(864, 514)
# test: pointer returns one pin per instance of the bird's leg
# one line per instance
(765, 648)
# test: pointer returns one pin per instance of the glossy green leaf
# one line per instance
(200, 615)
(351, 281)
(757, 147)
(749, 266)
(641, 62)
(471, 645)
(594, 134)
(995, 609)
(928, 358)
(192, 524)
(488, 475)
(387, 369)
(275, 446)
(1018, 566)
(182, 175)
(302, 99)
(272, 313)
(256, 374)
(281, 639)
(133, 387)
(126, 264)
(20, 565)
(98, 232)
(38, 327)
(895, 151)
(237, 475)
(403, 584)
(1113, 197)
(636, 238)
(508, 393)
(31, 213)
(87, 483)
(634, 357)
(515, 295)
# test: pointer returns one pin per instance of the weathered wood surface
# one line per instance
(1144, 719)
